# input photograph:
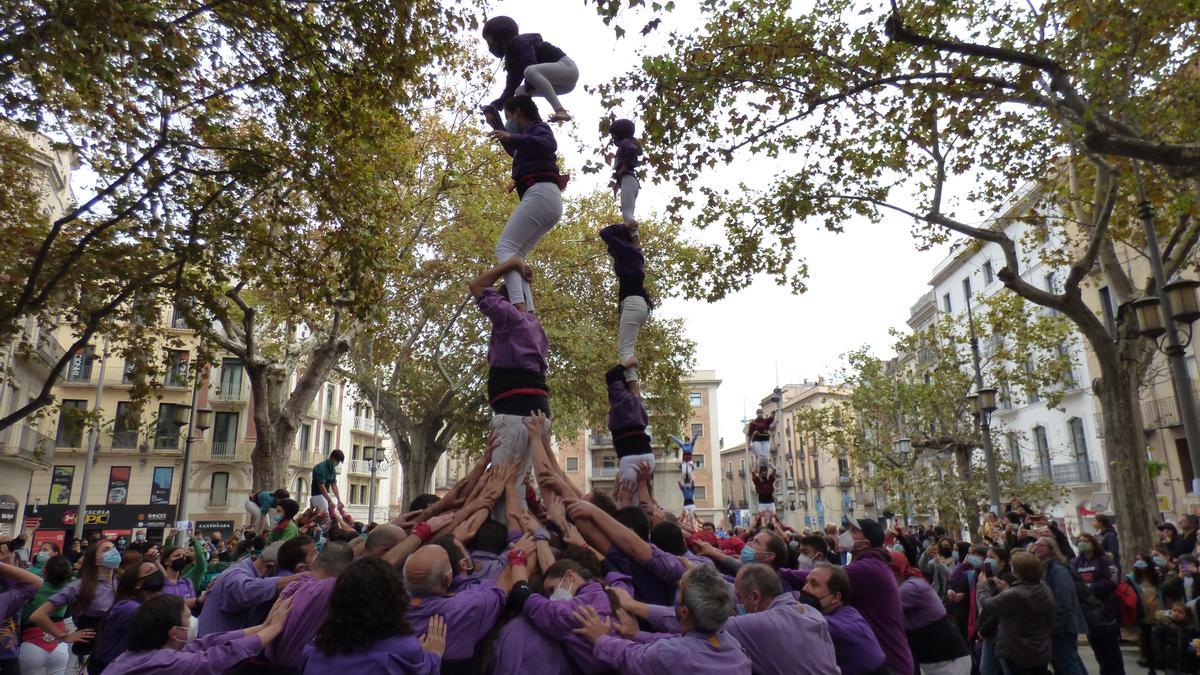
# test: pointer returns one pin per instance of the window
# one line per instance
(697, 431)
(354, 452)
(1014, 448)
(843, 467)
(80, 368)
(225, 434)
(1051, 283)
(987, 272)
(1106, 307)
(302, 441)
(816, 474)
(127, 373)
(701, 493)
(177, 318)
(696, 399)
(1079, 443)
(166, 433)
(1043, 449)
(218, 489)
(1069, 379)
(742, 470)
(328, 444)
(353, 493)
(301, 489)
(572, 464)
(330, 395)
(946, 304)
(125, 432)
(1031, 393)
(967, 289)
(231, 378)
(698, 460)
(1005, 396)
(177, 369)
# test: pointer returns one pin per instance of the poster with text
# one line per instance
(118, 485)
(60, 484)
(160, 490)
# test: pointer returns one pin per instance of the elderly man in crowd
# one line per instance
(242, 595)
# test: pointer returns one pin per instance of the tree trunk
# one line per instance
(968, 504)
(274, 430)
(418, 465)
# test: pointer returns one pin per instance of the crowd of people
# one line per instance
(516, 570)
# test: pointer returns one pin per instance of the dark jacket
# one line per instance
(1098, 573)
(1026, 615)
(533, 151)
(1108, 539)
(1069, 617)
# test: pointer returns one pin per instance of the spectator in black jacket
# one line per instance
(1189, 524)
(1107, 535)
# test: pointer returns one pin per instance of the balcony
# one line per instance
(1076, 473)
(81, 377)
(801, 484)
(600, 440)
(728, 475)
(604, 471)
(123, 440)
(333, 415)
(845, 481)
(360, 467)
(47, 352)
(365, 425)
(167, 441)
(741, 473)
(303, 458)
(229, 393)
(221, 451)
(27, 445)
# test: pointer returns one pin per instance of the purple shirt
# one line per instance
(854, 642)
(237, 599)
(691, 653)
(208, 655)
(656, 580)
(920, 603)
(805, 632)
(469, 614)
(532, 151)
(182, 587)
(102, 599)
(517, 340)
(488, 566)
(13, 597)
(626, 160)
(398, 655)
(310, 601)
(521, 648)
(555, 619)
(625, 411)
(111, 640)
(628, 260)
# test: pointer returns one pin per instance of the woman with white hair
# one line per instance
(1069, 620)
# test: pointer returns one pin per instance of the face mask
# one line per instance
(992, 563)
(1160, 561)
(179, 564)
(947, 552)
(898, 547)
(804, 562)
(562, 592)
(510, 125)
(337, 470)
(846, 541)
(275, 518)
(42, 557)
(111, 559)
(1141, 564)
(974, 560)
(154, 582)
(747, 555)
(741, 609)
(954, 556)
(1084, 547)
(174, 634)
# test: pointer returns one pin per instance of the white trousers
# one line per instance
(629, 194)
(513, 440)
(319, 503)
(548, 80)
(258, 517)
(538, 212)
(37, 661)
(627, 468)
(762, 452)
(634, 312)
(766, 508)
(688, 468)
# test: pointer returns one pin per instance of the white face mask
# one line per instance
(846, 541)
(562, 592)
(804, 562)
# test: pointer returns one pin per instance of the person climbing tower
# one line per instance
(625, 177)
(627, 422)
(634, 302)
(685, 448)
(545, 69)
(531, 144)
(688, 489)
(758, 438)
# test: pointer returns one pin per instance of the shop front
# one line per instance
(57, 522)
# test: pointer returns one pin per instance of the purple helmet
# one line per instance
(497, 27)
(621, 129)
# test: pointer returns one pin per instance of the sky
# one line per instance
(861, 282)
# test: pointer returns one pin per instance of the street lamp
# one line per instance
(193, 418)
(377, 460)
(983, 404)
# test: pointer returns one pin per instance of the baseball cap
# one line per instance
(870, 529)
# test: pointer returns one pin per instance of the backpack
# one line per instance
(1127, 603)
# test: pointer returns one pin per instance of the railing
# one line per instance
(601, 440)
(218, 501)
(48, 348)
(741, 473)
(305, 458)
(360, 466)
(605, 471)
(124, 440)
(845, 481)
(230, 392)
(26, 443)
(333, 415)
(175, 381)
(1076, 473)
(167, 441)
(75, 442)
(366, 424)
(221, 451)
(81, 377)
(729, 475)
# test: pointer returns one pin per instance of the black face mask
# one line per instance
(179, 564)
(154, 583)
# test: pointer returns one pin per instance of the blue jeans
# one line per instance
(989, 663)
(1066, 654)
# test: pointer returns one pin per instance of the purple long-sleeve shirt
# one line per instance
(488, 566)
(533, 150)
(555, 619)
(628, 260)
(877, 598)
(920, 603)
(181, 587)
(655, 580)
(237, 599)
(102, 599)
(626, 160)
(13, 597)
(691, 653)
(786, 622)
(517, 339)
(857, 649)
(310, 601)
(208, 655)
(625, 411)
(522, 648)
(399, 655)
(111, 640)
(469, 615)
